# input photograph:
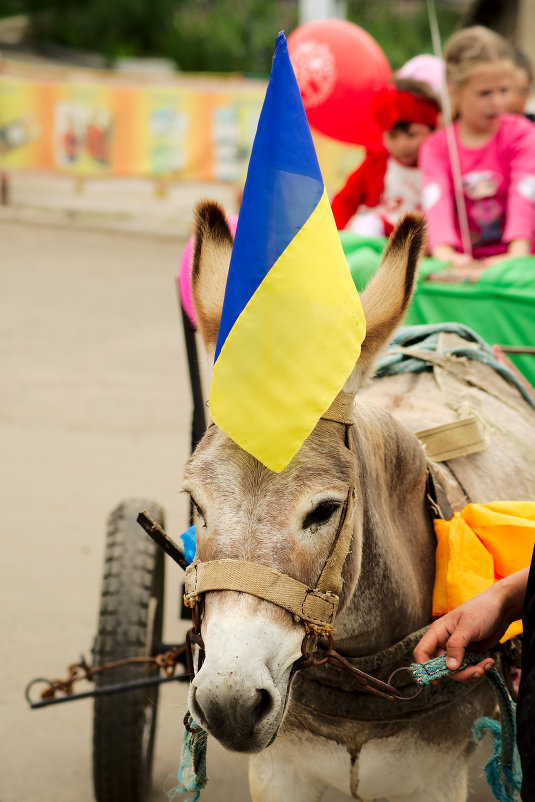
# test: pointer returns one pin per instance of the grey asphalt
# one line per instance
(95, 408)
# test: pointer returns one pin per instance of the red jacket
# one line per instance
(363, 187)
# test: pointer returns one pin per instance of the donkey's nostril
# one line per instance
(197, 709)
(262, 706)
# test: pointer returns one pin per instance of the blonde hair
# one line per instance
(473, 47)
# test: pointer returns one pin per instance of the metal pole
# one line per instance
(198, 424)
(104, 690)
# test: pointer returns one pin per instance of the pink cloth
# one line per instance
(424, 67)
(184, 272)
(499, 188)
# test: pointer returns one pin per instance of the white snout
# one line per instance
(240, 693)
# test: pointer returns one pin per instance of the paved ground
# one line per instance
(129, 205)
(95, 408)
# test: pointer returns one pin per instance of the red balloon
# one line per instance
(339, 67)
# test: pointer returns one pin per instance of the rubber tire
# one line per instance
(130, 625)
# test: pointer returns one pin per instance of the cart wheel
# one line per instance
(130, 625)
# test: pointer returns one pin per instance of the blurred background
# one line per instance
(171, 90)
(115, 118)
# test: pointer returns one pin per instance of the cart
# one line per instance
(129, 660)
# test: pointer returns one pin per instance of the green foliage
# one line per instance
(9, 8)
(218, 35)
(401, 27)
(111, 27)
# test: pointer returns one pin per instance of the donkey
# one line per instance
(310, 729)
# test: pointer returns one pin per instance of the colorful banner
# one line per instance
(96, 123)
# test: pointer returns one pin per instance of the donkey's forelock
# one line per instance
(255, 514)
(323, 459)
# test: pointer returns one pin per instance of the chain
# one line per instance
(166, 661)
(367, 683)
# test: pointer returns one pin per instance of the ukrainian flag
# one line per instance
(292, 324)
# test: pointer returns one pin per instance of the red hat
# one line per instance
(391, 106)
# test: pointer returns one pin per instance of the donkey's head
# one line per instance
(287, 521)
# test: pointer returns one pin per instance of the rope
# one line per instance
(393, 362)
(191, 775)
(453, 151)
(502, 770)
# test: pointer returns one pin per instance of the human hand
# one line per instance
(478, 623)
(460, 260)
(519, 247)
(446, 253)
(494, 260)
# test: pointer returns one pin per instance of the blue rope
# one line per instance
(502, 770)
(192, 776)
(392, 363)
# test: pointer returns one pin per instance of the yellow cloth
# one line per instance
(480, 545)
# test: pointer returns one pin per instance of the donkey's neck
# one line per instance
(393, 594)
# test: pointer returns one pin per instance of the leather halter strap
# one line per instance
(316, 607)
(341, 409)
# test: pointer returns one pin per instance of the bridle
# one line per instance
(315, 607)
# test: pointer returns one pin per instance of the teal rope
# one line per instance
(192, 776)
(502, 770)
(392, 363)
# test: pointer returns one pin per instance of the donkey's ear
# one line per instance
(387, 297)
(211, 259)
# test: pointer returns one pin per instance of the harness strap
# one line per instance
(341, 409)
(314, 606)
(436, 496)
(331, 575)
(311, 605)
(456, 439)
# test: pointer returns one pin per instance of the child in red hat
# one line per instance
(388, 183)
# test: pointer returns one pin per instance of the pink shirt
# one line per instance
(498, 183)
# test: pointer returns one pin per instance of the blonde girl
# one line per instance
(496, 154)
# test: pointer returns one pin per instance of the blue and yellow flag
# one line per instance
(292, 324)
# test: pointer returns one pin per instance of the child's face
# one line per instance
(520, 92)
(484, 97)
(405, 145)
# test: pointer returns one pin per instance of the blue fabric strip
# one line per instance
(190, 544)
(283, 187)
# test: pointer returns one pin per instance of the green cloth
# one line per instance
(499, 306)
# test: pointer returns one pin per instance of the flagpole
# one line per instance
(450, 135)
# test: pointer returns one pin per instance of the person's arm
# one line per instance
(517, 247)
(520, 211)
(447, 253)
(363, 186)
(439, 200)
(347, 200)
(478, 623)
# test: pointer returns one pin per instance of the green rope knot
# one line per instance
(431, 670)
(502, 770)
(192, 776)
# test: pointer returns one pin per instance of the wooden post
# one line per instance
(4, 189)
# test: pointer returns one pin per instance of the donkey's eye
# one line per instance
(199, 512)
(320, 514)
